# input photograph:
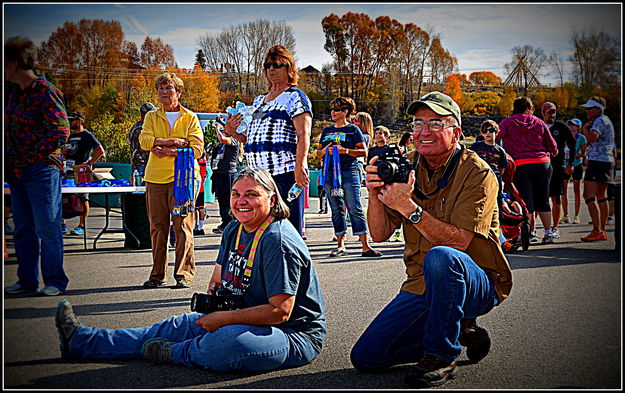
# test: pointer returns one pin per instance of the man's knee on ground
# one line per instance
(364, 361)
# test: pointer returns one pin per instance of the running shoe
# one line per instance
(610, 220)
(576, 220)
(555, 232)
(533, 237)
(594, 236)
(79, 230)
(564, 220)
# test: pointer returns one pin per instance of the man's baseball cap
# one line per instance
(145, 108)
(592, 104)
(575, 121)
(440, 103)
(76, 115)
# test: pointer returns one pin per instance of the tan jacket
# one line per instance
(161, 169)
(469, 202)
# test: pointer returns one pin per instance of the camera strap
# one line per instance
(444, 180)
(247, 274)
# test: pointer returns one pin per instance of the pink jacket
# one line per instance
(526, 138)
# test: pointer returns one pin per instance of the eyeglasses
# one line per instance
(339, 109)
(433, 125)
(268, 64)
(488, 130)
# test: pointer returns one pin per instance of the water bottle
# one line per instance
(137, 179)
(294, 192)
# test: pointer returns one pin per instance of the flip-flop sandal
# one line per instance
(338, 252)
(371, 253)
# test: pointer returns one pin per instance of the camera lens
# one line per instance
(386, 171)
(200, 303)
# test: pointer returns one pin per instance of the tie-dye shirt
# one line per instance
(35, 126)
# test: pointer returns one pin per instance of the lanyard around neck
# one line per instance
(246, 279)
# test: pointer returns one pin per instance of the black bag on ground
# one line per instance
(135, 218)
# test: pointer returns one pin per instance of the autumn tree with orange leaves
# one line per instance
(482, 78)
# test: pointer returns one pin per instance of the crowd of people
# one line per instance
(272, 311)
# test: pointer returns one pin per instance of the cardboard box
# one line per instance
(82, 173)
(103, 173)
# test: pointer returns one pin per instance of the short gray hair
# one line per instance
(280, 209)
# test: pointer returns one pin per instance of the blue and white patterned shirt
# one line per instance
(601, 149)
(272, 138)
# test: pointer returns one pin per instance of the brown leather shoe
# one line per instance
(475, 339)
(430, 371)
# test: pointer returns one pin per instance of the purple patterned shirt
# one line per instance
(35, 126)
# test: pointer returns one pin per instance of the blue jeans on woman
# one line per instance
(37, 210)
(412, 326)
(229, 348)
(350, 182)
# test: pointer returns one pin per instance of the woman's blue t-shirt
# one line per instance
(348, 137)
(282, 265)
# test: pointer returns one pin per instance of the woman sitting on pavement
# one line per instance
(343, 187)
(281, 325)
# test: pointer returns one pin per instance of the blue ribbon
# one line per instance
(184, 178)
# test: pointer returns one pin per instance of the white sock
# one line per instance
(200, 224)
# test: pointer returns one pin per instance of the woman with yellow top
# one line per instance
(165, 131)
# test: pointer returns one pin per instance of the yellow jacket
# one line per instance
(161, 169)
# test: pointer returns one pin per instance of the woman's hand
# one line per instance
(232, 123)
(161, 151)
(179, 142)
(210, 322)
(301, 177)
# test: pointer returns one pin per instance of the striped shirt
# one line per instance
(272, 138)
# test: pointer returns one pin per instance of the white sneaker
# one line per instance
(533, 237)
(610, 220)
(555, 232)
(49, 291)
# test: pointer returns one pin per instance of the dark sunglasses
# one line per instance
(550, 111)
(339, 109)
(268, 64)
(487, 130)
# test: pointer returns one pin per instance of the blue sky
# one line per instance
(480, 35)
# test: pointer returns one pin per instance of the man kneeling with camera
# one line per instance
(446, 201)
(264, 309)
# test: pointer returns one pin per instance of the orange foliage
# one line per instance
(481, 78)
(453, 88)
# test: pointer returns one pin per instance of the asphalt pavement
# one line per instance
(561, 327)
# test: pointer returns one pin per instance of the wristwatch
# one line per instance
(415, 217)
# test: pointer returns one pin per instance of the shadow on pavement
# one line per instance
(99, 309)
(546, 257)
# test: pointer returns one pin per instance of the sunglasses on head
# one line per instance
(487, 130)
(268, 64)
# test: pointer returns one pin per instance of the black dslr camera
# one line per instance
(222, 300)
(393, 167)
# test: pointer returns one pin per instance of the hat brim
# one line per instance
(439, 110)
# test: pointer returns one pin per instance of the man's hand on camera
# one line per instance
(397, 196)
(372, 180)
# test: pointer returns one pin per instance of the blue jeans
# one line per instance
(37, 210)
(351, 197)
(229, 348)
(411, 326)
